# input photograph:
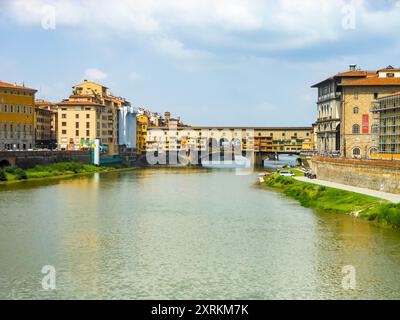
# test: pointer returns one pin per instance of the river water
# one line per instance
(184, 234)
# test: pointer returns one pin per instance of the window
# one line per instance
(356, 128)
(64, 116)
(355, 95)
(356, 152)
(5, 108)
(87, 116)
(24, 108)
(77, 116)
(64, 131)
(18, 108)
(356, 110)
(87, 125)
(87, 133)
(64, 124)
(375, 128)
(11, 108)
(373, 150)
(77, 125)
(375, 95)
(77, 133)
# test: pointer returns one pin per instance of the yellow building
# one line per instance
(107, 116)
(386, 122)
(16, 117)
(357, 117)
(141, 132)
(91, 112)
(78, 124)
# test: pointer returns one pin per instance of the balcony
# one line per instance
(330, 96)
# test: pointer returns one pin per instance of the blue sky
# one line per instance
(212, 62)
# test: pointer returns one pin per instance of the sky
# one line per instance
(211, 62)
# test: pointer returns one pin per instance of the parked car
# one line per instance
(286, 173)
(310, 175)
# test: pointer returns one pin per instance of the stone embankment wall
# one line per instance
(28, 159)
(373, 174)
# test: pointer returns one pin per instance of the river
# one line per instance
(184, 234)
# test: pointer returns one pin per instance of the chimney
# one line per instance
(352, 67)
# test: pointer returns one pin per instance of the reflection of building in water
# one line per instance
(79, 199)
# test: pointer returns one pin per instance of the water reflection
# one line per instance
(183, 233)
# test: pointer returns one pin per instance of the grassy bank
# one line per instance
(13, 173)
(337, 201)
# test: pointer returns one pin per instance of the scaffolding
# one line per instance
(386, 125)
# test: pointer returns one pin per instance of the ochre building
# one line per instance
(16, 117)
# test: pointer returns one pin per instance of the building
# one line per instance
(79, 123)
(107, 121)
(329, 108)
(267, 140)
(16, 117)
(141, 132)
(91, 112)
(356, 118)
(386, 123)
(45, 125)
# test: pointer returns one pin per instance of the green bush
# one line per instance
(10, 169)
(20, 174)
(3, 176)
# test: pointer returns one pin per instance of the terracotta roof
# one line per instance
(43, 103)
(389, 68)
(347, 74)
(357, 73)
(389, 95)
(14, 86)
(78, 103)
(372, 81)
(82, 96)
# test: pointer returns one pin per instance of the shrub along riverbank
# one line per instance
(337, 201)
(13, 173)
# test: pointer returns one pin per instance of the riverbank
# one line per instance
(13, 174)
(333, 200)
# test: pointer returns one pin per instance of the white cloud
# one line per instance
(176, 49)
(243, 24)
(94, 74)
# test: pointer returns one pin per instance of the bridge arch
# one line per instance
(4, 163)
